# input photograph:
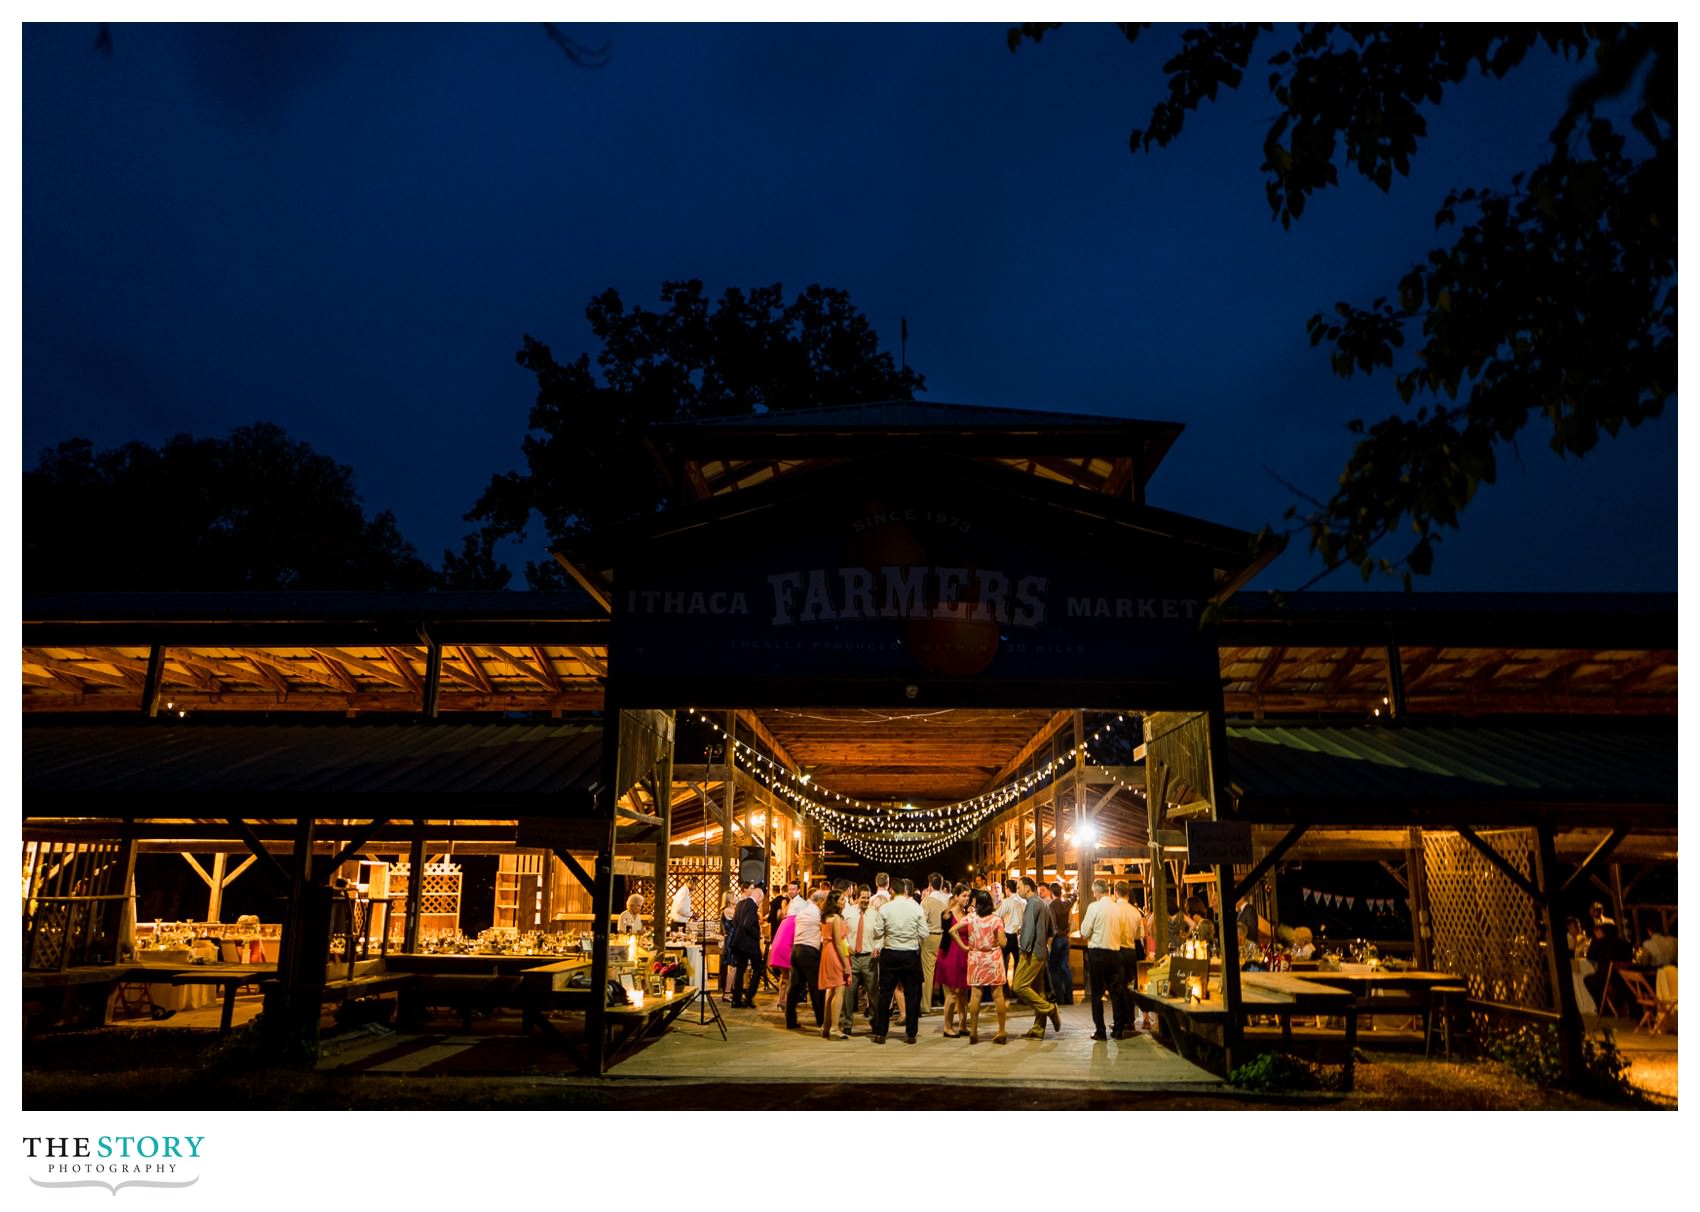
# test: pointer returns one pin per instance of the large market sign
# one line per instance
(943, 582)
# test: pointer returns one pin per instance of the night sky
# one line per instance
(346, 230)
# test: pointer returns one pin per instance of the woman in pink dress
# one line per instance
(779, 953)
(834, 974)
(982, 937)
(952, 970)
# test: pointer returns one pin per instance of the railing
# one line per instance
(72, 931)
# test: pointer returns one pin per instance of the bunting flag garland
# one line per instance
(1350, 900)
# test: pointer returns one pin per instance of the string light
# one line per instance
(886, 832)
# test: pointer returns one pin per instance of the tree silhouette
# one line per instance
(251, 511)
(586, 464)
(1555, 301)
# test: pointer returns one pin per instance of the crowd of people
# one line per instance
(893, 952)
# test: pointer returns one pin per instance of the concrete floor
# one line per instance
(759, 1048)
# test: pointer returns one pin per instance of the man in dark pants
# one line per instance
(744, 945)
(1061, 979)
(805, 963)
(902, 926)
(1100, 927)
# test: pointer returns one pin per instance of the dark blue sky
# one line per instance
(346, 230)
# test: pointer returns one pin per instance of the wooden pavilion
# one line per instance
(913, 606)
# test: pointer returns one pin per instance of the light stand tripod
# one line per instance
(707, 1008)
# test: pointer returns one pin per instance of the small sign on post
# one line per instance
(1212, 843)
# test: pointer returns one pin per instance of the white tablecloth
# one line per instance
(1579, 968)
(1664, 988)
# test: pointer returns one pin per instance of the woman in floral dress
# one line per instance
(982, 937)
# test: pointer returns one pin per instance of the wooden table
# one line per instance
(1197, 1027)
(1381, 991)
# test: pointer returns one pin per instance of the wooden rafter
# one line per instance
(134, 670)
(598, 666)
(307, 671)
(339, 675)
(480, 679)
(1271, 666)
(404, 669)
(380, 671)
(80, 673)
(1050, 728)
(544, 669)
(1343, 670)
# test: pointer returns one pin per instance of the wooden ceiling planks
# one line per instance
(922, 757)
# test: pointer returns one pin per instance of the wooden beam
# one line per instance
(1246, 884)
(388, 671)
(541, 669)
(404, 669)
(583, 876)
(1498, 860)
(1343, 669)
(355, 844)
(475, 671)
(1047, 730)
(1598, 856)
(588, 582)
(199, 870)
(267, 860)
(757, 729)
(339, 675)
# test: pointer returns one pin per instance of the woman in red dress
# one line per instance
(982, 937)
(952, 970)
(833, 976)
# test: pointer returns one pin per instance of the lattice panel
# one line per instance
(439, 895)
(1484, 925)
(707, 888)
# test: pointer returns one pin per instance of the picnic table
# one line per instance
(1196, 1027)
(1380, 991)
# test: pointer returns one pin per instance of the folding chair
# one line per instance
(1642, 989)
(1606, 1007)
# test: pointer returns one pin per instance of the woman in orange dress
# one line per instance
(982, 936)
(834, 974)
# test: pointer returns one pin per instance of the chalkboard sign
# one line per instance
(1209, 843)
(1183, 972)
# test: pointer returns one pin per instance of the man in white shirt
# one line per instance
(902, 926)
(1010, 911)
(882, 889)
(933, 904)
(1100, 926)
(862, 929)
(679, 913)
(805, 963)
(1133, 930)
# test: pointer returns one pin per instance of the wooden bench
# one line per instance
(230, 977)
(629, 1026)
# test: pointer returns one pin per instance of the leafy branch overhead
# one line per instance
(587, 464)
(1555, 301)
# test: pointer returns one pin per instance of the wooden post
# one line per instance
(1416, 890)
(1570, 1030)
(1395, 681)
(415, 885)
(602, 892)
(431, 692)
(728, 856)
(215, 893)
(154, 681)
(1156, 792)
(1232, 1028)
(663, 842)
